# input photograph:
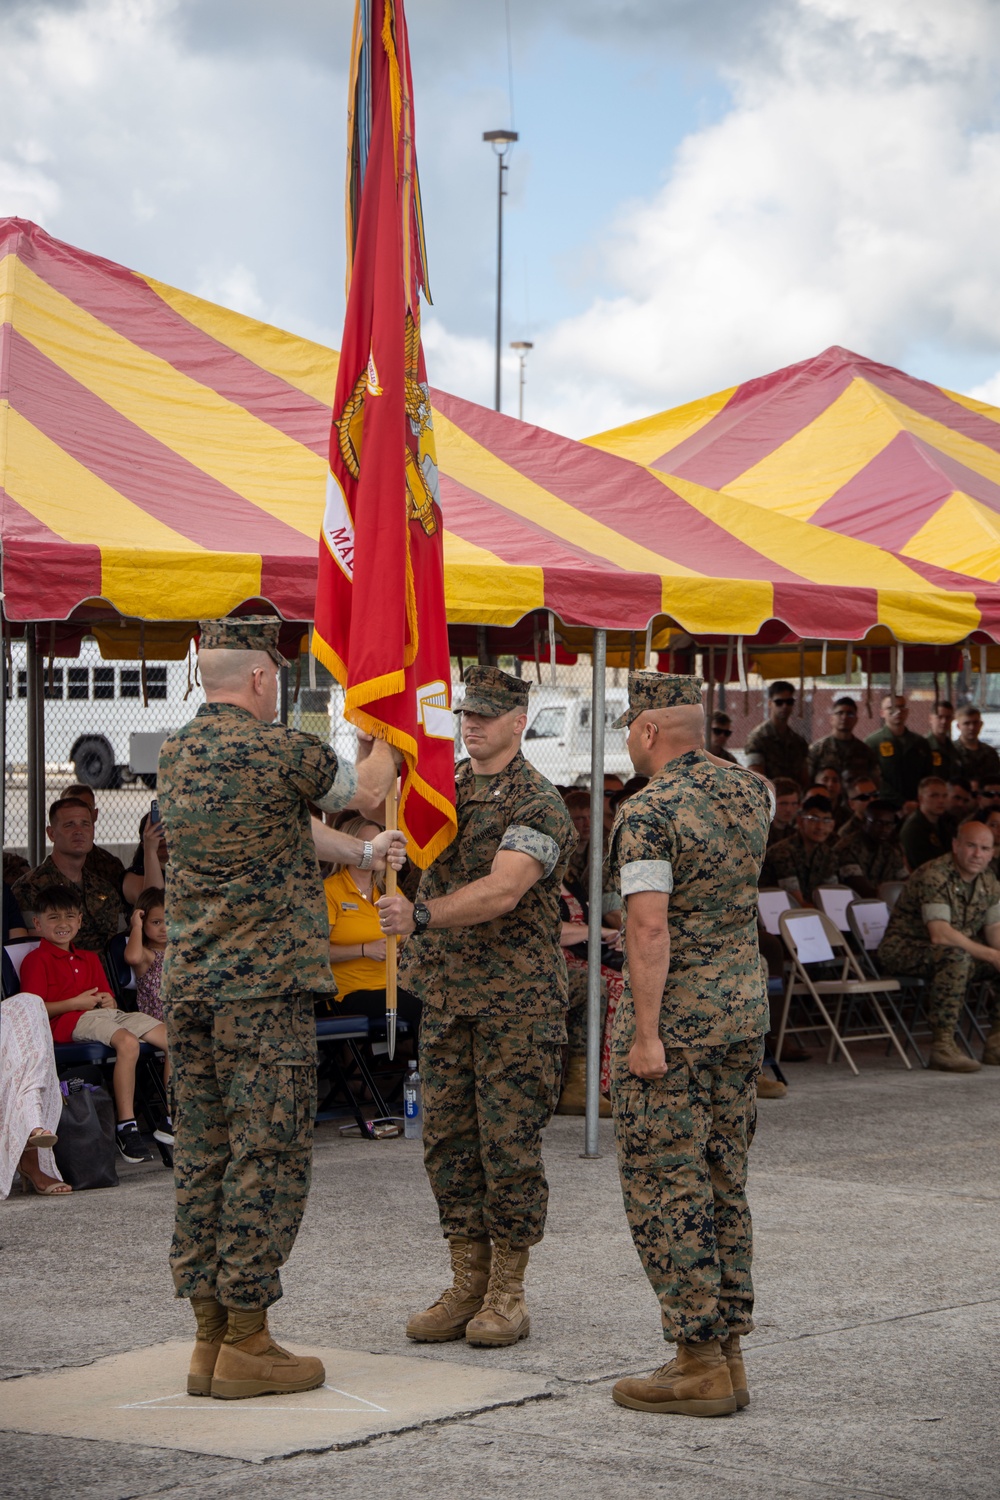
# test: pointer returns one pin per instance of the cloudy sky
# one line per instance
(704, 190)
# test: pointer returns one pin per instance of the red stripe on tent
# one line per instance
(137, 465)
(289, 583)
(128, 305)
(932, 402)
(615, 492)
(32, 553)
(905, 470)
(806, 612)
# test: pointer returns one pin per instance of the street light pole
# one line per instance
(521, 347)
(501, 141)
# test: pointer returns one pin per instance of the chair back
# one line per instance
(890, 891)
(771, 902)
(834, 901)
(810, 936)
(14, 953)
(868, 920)
(120, 973)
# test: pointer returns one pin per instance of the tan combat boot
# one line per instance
(946, 1055)
(446, 1318)
(770, 1088)
(733, 1356)
(250, 1363)
(212, 1320)
(991, 1052)
(695, 1384)
(504, 1316)
(573, 1099)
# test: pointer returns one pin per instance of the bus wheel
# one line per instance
(94, 762)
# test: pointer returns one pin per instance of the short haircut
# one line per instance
(866, 777)
(822, 770)
(780, 687)
(890, 696)
(152, 897)
(720, 717)
(633, 785)
(960, 781)
(930, 781)
(784, 786)
(57, 898)
(62, 802)
(845, 703)
(969, 711)
(940, 703)
(79, 789)
(578, 796)
(818, 804)
(881, 804)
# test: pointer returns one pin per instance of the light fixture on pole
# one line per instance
(501, 141)
(521, 347)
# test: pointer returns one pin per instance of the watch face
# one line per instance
(421, 914)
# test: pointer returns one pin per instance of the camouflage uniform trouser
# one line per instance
(489, 1088)
(244, 1079)
(682, 1156)
(949, 972)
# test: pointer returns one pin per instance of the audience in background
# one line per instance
(904, 758)
(975, 760)
(874, 853)
(940, 740)
(808, 858)
(859, 795)
(721, 734)
(961, 799)
(927, 833)
(99, 861)
(828, 780)
(774, 747)
(149, 862)
(71, 830)
(787, 798)
(842, 749)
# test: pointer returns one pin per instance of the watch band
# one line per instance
(367, 855)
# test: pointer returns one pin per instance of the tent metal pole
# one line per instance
(36, 753)
(3, 729)
(599, 659)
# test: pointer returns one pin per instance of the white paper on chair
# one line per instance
(872, 921)
(811, 942)
(835, 899)
(770, 905)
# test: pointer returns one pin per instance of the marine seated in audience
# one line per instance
(945, 928)
(988, 795)
(974, 759)
(99, 861)
(904, 757)
(874, 853)
(940, 740)
(927, 833)
(71, 830)
(81, 1008)
(774, 748)
(842, 749)
(961, 800)
(787, 799)
(577, 878)
(992, 821)
(807, 859)
(722, 732)
(859, 794)
(828, 780)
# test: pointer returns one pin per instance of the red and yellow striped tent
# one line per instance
(164, 459)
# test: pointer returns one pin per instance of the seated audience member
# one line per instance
(975, 760)
(149, 861)
(842, 749)
(722, 731)
(874, 854)
(961, 801)
(774, 747)
(14, 866)
(807, 859)
(925, 834)
(858, 794)
(940, 740)
(147, 943)
(13, 921)
(992, 821)
(827, 779)
(988, 795)
(99, 861)
(577, 800)
(81, 1008)
(904, 758)
(357, 943)
(945, 928)
(30, 1101)
(71, 830)
(787, 796)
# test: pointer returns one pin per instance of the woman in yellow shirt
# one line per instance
(357, 945)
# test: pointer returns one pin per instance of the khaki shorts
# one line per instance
(101, 1025)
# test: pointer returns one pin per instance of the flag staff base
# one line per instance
(391, 821)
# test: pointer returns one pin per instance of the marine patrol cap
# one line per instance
(248, 633)
(490, 692)
(653, 690)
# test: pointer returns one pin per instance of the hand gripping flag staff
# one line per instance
(380, 617)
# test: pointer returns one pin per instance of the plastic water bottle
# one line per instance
(413, 1114)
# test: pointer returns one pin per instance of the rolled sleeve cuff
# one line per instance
(647, 875)
(791, 884)
(343, 790)
(541, 846)
(935, 911)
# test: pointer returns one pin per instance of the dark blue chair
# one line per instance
(352, 1032)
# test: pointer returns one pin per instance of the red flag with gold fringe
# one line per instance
(380, 616)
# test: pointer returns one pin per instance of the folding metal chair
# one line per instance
(868, 917)
(812, 939)
(890, 891)
(332, 1076)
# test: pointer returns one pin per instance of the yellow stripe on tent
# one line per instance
(962, 535)
(966, 450)
(704, 606)
(481, 589)
(651, 438)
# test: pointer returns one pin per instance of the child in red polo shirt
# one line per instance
(72, 983)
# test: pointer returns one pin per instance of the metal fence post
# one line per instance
(3, 731)
(36, 752)
(599, 667)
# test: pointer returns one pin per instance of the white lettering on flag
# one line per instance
(338, 528)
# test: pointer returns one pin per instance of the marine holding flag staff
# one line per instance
(483, 954)
(248, 949)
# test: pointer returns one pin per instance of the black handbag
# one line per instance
(85, 1152)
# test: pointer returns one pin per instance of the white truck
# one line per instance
(557, 739)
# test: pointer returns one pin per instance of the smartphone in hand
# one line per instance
(154, 811)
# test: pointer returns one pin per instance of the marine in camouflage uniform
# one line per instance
(100, 899)
(494, 994)
(778, 751)
(903, 761)
(697, 833)
(874, 853)
(799, 867)
(851, 758)
(976, 762)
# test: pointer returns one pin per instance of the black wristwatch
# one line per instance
(421, 918)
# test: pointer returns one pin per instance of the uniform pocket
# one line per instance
(288, 1086)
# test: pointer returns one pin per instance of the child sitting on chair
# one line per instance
(147, 943)
(72, 983)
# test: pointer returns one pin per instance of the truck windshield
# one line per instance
(548, 724)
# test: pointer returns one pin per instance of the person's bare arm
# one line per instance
(343, 849)
(377, 767)
(943, 935)
(133, 885)
(511, 875)
(342, 953)
(647, 944)
(86, 1000)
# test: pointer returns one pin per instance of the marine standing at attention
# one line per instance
(483, 954)
(246, 918)
(688, 1041)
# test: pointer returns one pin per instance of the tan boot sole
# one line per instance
(742, 1398)
(238, 1390)
(447, 1337)
(498, 1340)
(199, 1385)
(722, 1406)
(967, 1065)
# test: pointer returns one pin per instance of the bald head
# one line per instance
(972, 848)
(247, 679)
(660, 734)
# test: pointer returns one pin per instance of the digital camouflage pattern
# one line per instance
(779, 752)
(490, 1085)
(492, 693)
(578, 875)
(512, 965)
(576, 1015)
(943, 761)
(799, 868)
(246, 914)
(923, 840)
(247, 633)
(244, 1077)
(865, 863)
(851, 758)
(903, 761)
(937, 892)
(682, 1156)
(649, 691)
(975, 764)
(101, 901)
(110, 868)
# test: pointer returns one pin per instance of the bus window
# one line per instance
(22, 684)
(104, 682)
(156, 682)
(78, 685)
(131, 683)
(53, 679)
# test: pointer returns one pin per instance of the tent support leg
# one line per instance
(3, 729)
(36, 753)
(599, 660)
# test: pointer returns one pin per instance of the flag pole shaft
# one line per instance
(390, 942)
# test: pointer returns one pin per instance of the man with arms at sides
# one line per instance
(973, 758)
(688, 1041)
(945, 928)
(925, 835)
(940, 740)
(774, 748)
(483, 955)
(904, 757)
(842, 749)
(248, 948)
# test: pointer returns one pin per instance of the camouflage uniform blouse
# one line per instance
(866, 862)
(798, 869)
(781, 752)
(101, 901)
(698, 832)
(246, 913)
(512, 965)
(851, 758)
(975, 764)
(937, 893)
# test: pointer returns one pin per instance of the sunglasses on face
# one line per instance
(722, 733)
(784, 702)
(863, 796)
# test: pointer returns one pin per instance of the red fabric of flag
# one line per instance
(380, 617)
